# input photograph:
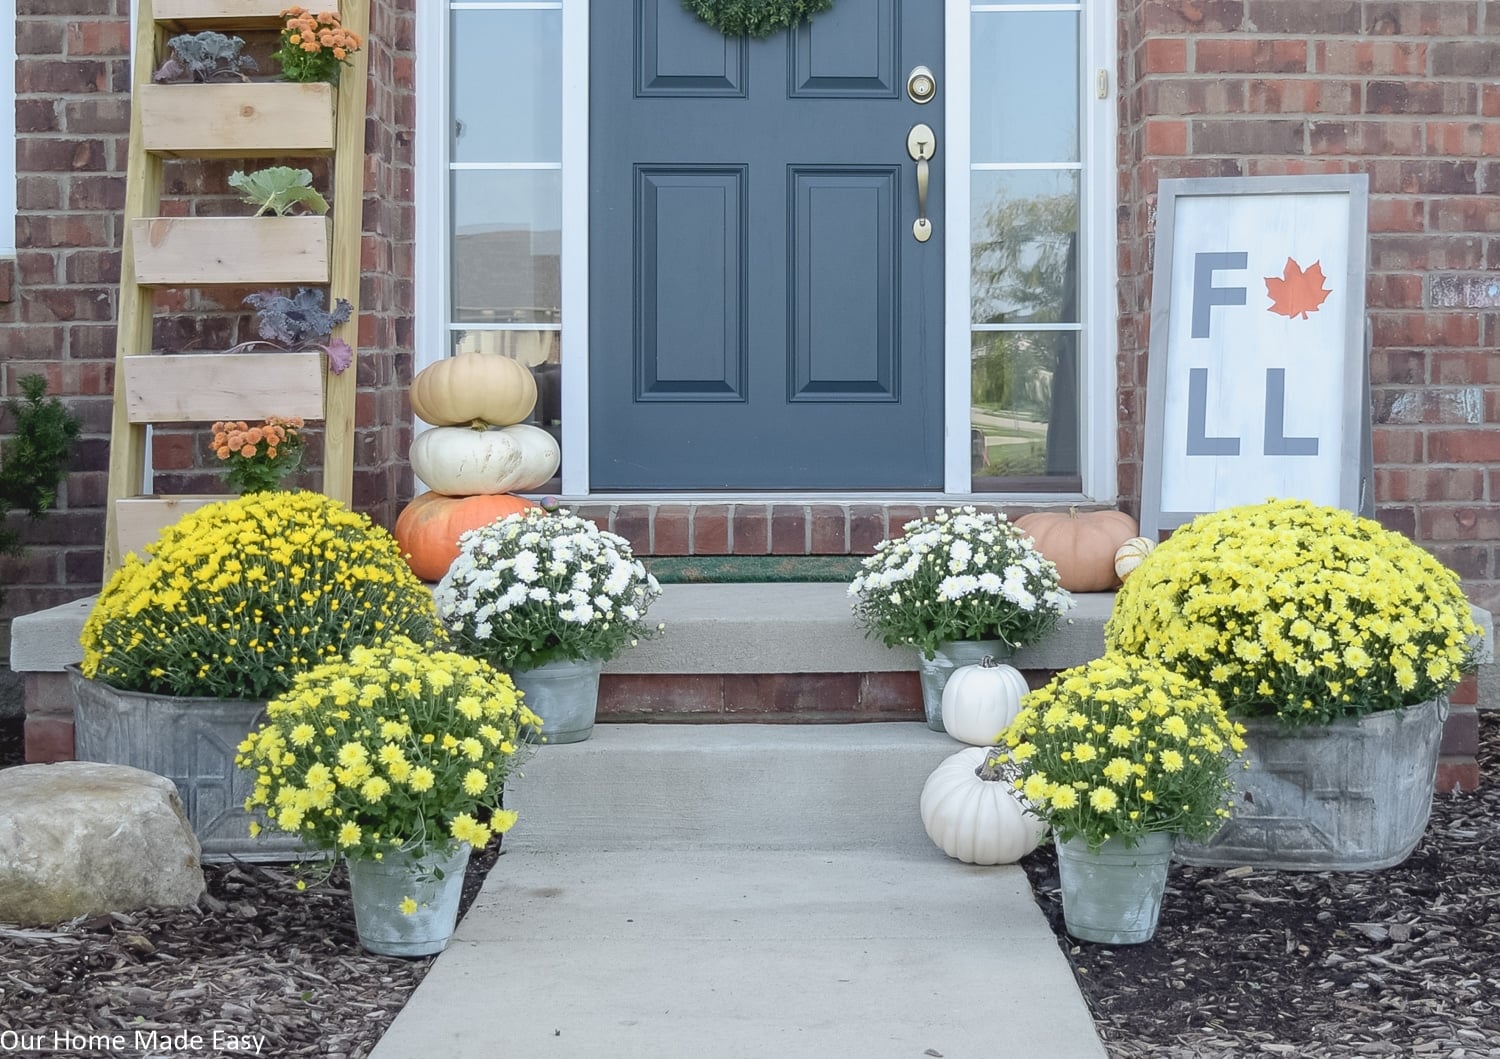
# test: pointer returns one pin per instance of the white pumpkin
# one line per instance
(980, 701)
(973, 813)
(459, 461)
(1130, 555)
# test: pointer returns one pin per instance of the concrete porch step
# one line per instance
(730, 786)
(728, 628)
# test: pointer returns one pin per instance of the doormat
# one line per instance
(727, 569)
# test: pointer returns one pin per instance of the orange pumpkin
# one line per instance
(429, 527)
(1081, 543)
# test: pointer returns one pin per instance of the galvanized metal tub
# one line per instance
(1353, 795)
(192, 742)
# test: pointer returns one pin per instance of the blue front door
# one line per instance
(762, 314)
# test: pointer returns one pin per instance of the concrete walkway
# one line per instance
(755, 891)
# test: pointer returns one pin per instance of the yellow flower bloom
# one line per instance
(465, 828)
(408, 906)
(349, 835)
(475, 783)
(1102, 799)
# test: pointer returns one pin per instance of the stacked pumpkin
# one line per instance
(477, 455)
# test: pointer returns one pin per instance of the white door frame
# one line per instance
(1097, 415)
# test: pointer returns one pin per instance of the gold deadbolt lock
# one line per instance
(921, 85)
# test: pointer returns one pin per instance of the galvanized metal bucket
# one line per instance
(1353, 795)
(192, 742)
(565, 695)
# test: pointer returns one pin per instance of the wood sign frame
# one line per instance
(1257, 384)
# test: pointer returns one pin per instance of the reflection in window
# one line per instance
(1026, 183)
(1024, 420)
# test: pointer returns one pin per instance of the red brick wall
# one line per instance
(1408, 93)
(72, 120)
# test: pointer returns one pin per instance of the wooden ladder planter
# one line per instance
(244, 120)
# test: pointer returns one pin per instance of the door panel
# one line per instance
(843, 255)
(761, 315)
(691, 339)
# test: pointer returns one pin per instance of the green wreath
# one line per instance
(755, 18)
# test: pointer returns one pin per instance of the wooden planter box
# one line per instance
(139, 520)
(197, 15)
(239, 120)
(206, 387)
(238, 251)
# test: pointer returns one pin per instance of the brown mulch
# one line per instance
(1401, 962)
(1404, 962)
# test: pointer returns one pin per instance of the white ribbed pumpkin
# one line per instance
(458, 461)
(974, 815)
(1131, 554)
(980, 701)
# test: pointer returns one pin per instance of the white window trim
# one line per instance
(8, 136)
(1097, 414)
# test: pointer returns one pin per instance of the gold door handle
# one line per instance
(921, 144)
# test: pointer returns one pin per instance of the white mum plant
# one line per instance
(539, 587)
(962, 574)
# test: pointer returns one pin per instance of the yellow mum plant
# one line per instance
(1292, 610)
(1122, 747)
(396, 747)
(238, 597)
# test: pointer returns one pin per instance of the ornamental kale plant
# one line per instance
(297, 323)
(395, 747)
(236, 598)
(206, 56)
(537, 587)
(959, 575)
(278, 189)
(1292, 610)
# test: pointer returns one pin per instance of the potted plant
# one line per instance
(1335, 641)
(289, 246)
(395, 759)
(184, 645)
(549, 598)
(957, 586)
(258, 457)
(293, 115)
(1121, 757)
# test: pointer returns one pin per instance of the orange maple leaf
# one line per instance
(1297, 292)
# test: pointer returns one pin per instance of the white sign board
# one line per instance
(1256, 385)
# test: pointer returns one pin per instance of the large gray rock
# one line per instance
(79, 838)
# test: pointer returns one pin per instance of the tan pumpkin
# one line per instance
(1081, 543)
(429, 527)
(1131, 554)
(460, 461)
(474, 389)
